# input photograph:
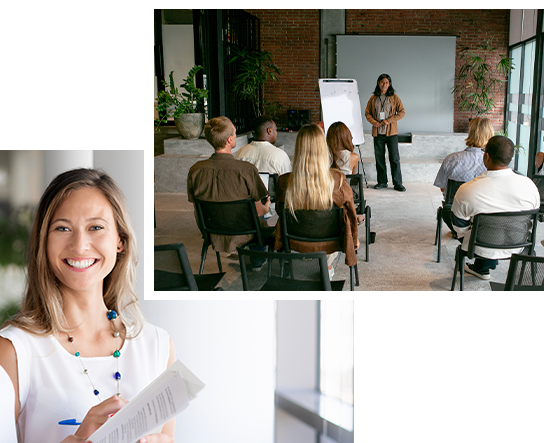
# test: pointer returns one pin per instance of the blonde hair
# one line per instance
(480, 130)
(217, 131)
(339, 138)
(310, 184)
(42, 306)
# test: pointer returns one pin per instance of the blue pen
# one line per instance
(70, 422)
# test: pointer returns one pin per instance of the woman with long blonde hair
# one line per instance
(313, 185)
(79, 347)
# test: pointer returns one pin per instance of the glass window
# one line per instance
(336, 349)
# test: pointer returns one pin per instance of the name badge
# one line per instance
(382, 116)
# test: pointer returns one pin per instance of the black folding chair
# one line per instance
(356, 183)
(526, 273)
(444, 213)
(502, 230)
(230, 219)
(313, 226)
(173, 271)
(539, 182)
(288, 272)
(272, 186)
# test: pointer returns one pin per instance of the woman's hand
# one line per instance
(74, 439)
(96, 417)
(157, 438)
(376, 124)
(385, 122)
(357, 243)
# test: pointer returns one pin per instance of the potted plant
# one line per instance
(480, 77)
(254, 69)
(185, 107)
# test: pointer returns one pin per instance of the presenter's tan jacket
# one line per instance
(397, 112)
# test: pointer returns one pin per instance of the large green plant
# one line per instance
(172, 102)
(254, 69)
(480, 77)
(14, 233)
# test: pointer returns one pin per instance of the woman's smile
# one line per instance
(80, 264)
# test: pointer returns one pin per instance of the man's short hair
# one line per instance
(500, 149)
(217, 131)
(262, 123)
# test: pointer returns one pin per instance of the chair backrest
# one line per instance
(451, 190)
(312, 225)
(272, 186)
(288, 271)
(228, 218)
(539, 182)
(356, 183)
(526, 273)
(169, 261)
(503, 230)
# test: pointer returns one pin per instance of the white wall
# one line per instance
(433, 367)
(127, 169)
(229, 345)
(178, 51)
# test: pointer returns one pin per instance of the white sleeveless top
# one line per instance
(343, 161)
(7, 412)
(52, 386)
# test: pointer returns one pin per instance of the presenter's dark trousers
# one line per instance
(392, 143)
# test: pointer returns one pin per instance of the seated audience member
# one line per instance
(313, 185)
(463, 166)
(222, 178)
(262, 153)
(498, 189)
(539, 163)
(339, 140)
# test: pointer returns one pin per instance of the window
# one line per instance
(520, 96)
(336, 349)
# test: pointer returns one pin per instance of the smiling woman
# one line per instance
(80, 330)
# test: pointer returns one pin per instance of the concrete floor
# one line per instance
(403, 258)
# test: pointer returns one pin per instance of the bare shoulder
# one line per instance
(7, 353)
(8, 360)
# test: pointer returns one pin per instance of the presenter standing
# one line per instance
(383, 111)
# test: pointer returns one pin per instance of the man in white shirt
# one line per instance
(499, 189)
(262, 153)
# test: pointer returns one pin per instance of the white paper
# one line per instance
(160, 401)
(264, 177)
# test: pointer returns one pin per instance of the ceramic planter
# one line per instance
(190, 126)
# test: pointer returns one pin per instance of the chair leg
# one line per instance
(218, 261)
(367, 235)
(438, 223)
(356, 275)
(455, 269)
(438, 236)
(351, 288)
(461, 270)
(203, 257)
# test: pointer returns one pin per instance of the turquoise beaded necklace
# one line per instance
(112, 315)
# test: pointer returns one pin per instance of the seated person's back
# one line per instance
(463, 166)
(223, 178)
(499, 189)
(340, 143)
(262, 153)
(319, 189)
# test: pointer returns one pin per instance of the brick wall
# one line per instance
(293, 38)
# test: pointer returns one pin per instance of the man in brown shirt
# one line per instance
(223, 178)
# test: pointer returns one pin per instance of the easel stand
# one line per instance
(362, 164)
